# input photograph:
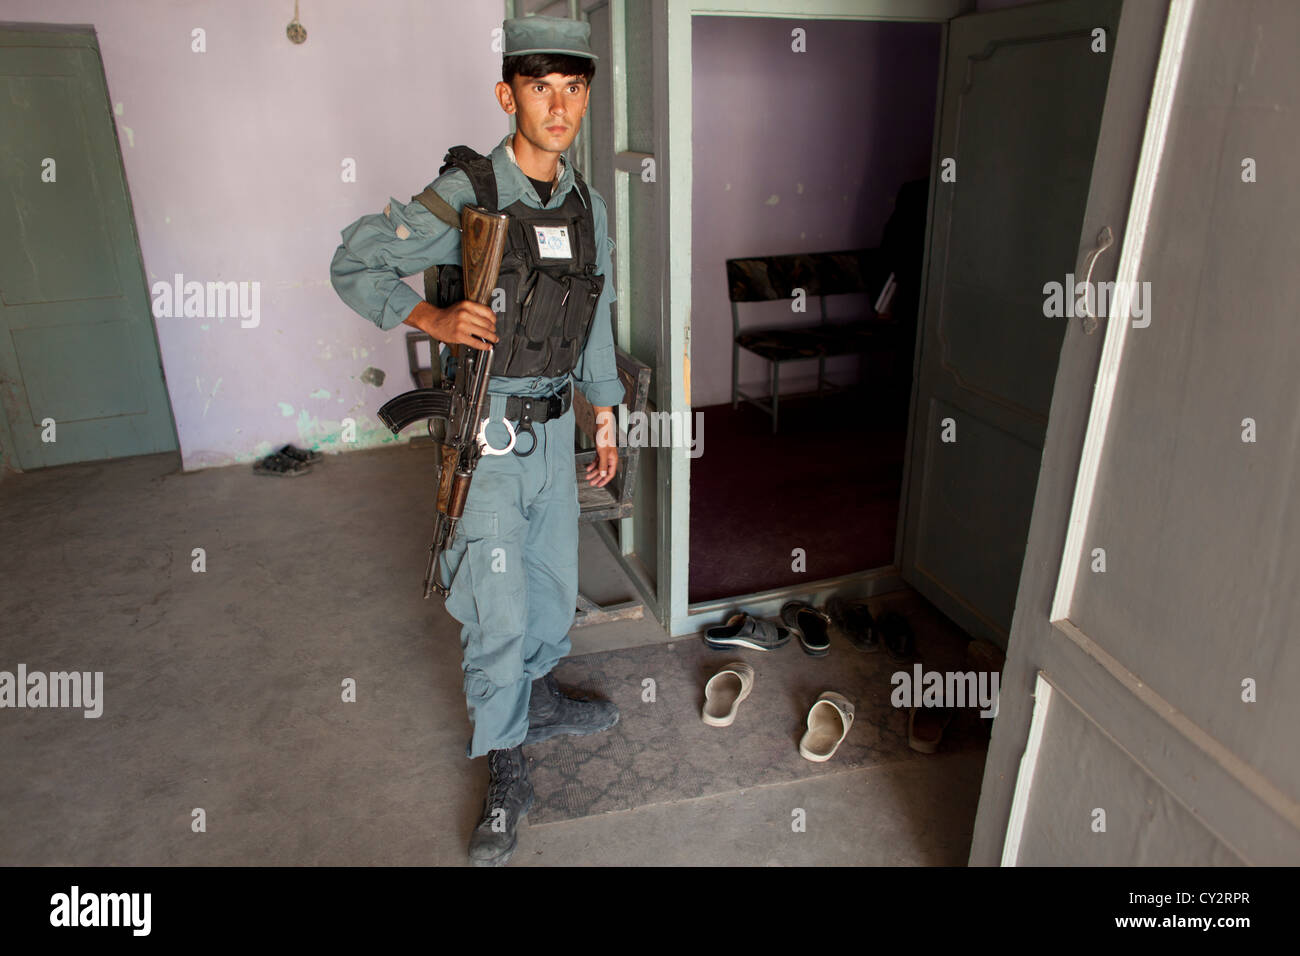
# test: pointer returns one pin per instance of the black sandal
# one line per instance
(280, 466)
(300, 454)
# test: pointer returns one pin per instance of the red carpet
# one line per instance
(828, 482)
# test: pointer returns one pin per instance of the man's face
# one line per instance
(548, 110)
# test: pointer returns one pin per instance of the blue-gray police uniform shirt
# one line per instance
(405, 239)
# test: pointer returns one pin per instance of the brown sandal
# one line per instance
(925, 727)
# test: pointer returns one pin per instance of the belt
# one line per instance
(539, 408)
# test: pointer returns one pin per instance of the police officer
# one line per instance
(513, 564)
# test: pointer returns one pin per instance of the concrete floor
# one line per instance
(222, 691)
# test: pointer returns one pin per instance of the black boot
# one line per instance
(551, 713)
(510, 794)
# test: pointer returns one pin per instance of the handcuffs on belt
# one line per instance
(525, 422)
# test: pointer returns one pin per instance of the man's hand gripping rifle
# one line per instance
(462, 403)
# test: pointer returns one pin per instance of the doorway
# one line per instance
(1022, 93)
(1005, 201)
(808, 139)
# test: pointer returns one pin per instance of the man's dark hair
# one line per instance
(532, 65)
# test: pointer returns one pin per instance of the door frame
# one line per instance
(673, 95)
(621, 545)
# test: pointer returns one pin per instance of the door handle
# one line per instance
(1105, 239)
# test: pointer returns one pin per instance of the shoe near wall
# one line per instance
(743, 630)
(810, 625)
(896, 636)
(854, 620)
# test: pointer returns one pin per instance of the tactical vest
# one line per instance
(547, 275)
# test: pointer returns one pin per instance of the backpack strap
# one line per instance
(481, 178)
(431, 201)
(479, 170)
(586, 224)
(483, 181)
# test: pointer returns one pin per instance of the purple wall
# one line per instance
(796, 152)
(234, 161)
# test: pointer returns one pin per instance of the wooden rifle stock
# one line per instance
(482, 244)
(445, 475)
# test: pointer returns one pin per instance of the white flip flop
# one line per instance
(724, 692)
(829, 720)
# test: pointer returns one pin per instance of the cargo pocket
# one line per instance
(472, 530)
(478, 687)
(478, 524)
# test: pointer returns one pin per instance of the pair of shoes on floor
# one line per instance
(829, 718)
(798, 619)
(551, 712)
(869, 633)
(288, 462)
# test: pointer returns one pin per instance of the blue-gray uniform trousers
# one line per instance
(513, 567)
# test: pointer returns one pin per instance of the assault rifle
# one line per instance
(460, 403)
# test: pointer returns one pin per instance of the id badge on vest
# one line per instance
(552, 243)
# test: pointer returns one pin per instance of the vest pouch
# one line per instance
(508, 284)
(581, 307)
(542, 306)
